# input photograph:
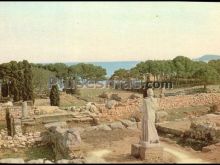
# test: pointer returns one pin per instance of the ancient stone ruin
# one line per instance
(64, 130)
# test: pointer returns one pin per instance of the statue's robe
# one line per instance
(149, 132)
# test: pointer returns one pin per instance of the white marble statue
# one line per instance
(149, 135)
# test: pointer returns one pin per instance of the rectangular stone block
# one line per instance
(151, 154)
(135, 150)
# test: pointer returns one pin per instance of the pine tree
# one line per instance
(27, 83)
(14, 90)
(20, 84)
(54, 96)
(4, 89)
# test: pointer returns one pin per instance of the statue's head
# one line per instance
(150, 92)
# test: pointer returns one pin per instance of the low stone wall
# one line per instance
(206, 131)
(189, 100)
(198, 132)
(119, 112)
(15, 111)
(120, 124)
(132, 107)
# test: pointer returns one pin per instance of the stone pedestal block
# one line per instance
(135, 150)
(151, 154)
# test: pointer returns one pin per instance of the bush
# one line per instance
(73, 91)
(103, 95)
(115, 97)
(54, 96)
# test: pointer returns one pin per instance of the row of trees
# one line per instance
(180, 69)
(17, 80)
(80, 71)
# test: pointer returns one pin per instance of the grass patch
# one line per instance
(7, 153)
(2, 125)
(85, 95)
(29, 153)
(92, 94)
(40, 152)
(179, 113)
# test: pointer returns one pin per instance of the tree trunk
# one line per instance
(205, 86)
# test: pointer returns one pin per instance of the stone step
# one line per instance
(49, 121)
(217, 113)
(176, 128)
(73, 119)
(27, 120)
(55, 124)
(28, 123)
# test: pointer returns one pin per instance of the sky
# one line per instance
(107, 31)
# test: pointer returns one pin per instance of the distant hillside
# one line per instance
(207, 58)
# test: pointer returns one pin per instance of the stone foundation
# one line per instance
(149, 154)
(135, 150)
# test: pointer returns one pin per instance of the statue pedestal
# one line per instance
(135, 150)
(152, 153)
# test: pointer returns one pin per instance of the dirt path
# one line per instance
(181, 155)
(97, 156)
(119, 152)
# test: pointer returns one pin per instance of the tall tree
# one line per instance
(41, 78)
(5, 89)
(215, 64)
(14, 89)
(206, 75)
(121, 74)
(54, 96)
(28, 86)
(87, 72)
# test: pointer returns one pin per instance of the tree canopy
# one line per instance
(17, 80)
(180, 70)
(80, 71)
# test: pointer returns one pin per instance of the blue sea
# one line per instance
(111, 66)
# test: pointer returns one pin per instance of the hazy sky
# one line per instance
(107, 31)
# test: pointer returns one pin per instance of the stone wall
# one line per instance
(118, 112)
(14, 111)
(189, 100)
(132, 107)
(206, 131)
